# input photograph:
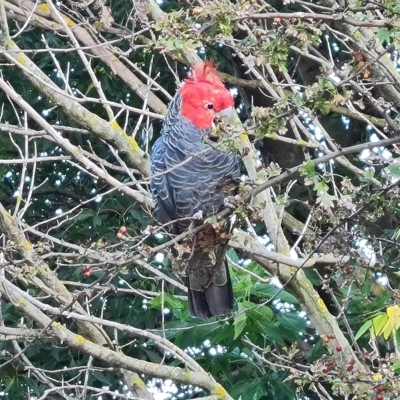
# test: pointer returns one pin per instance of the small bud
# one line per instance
(325, 339)
(380, 389)
(87, 272)
(197, 10)
(331, 336)
(330, 363)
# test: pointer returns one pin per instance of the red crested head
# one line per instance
(204, 95)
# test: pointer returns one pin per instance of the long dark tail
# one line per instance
(212, 301)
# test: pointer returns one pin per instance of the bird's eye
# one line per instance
(210, 106)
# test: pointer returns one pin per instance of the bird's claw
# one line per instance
(230, 202)
(198, 215)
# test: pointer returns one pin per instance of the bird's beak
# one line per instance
(225, 115)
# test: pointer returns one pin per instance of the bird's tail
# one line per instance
(201, 263)
(216, 299)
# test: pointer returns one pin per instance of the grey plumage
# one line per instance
(188, 176)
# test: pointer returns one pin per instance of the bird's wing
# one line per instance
(159, 184)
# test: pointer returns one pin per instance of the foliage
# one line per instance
(90, 306)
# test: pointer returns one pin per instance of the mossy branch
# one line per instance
(198, 378)
(108, 131)
(310, 301)
(47, 281)
(75, 151)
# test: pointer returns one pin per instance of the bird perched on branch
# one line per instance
(191, 176)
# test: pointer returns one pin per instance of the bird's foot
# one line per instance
(232, 202)
(198, 215)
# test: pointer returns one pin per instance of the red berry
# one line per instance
(379, 397)
(325, 370)
(87, 271)
(339, 348)
(123, 230)
(380, 389)
(350, 368)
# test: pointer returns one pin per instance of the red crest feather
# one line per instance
(205, 71)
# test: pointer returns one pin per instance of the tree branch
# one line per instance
(75, 151)
(24, 302)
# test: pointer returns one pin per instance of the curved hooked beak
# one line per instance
(225, 115)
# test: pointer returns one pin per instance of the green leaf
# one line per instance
(369, 173)
(239, 324)
(170, 302)
(202, 333)
(367, 284)
(396, 366)
(394, 170)
(269, 291)
(357, 36)
(324, 108)
(263, 313)
(271, 331)
(299, 100)
(383, 35)
(153, 356)
(321, 187)
(308, 168)
(89, 88)
(84, 215)
(292, 322)
(140, 216)
(252, 389)
(97, 221)
(212, 220)
(325, 200)
(225, 27)
(224, 334)
(101, 377)
(378, 323)
(365, 327)
(9, 386)
(356, 5)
